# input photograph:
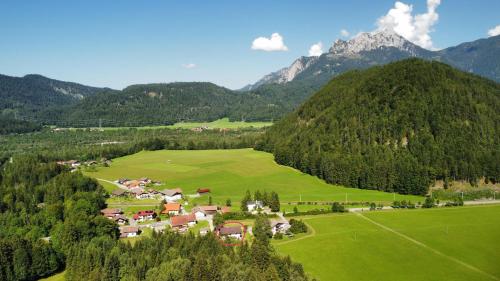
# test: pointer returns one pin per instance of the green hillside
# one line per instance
(395, 128)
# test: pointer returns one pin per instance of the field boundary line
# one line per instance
(439, 253)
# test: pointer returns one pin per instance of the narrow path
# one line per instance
(112, 182)
(471, 267)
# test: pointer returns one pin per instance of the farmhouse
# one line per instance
(142, 182)
(120, 219)
(254, 205)
(172, 194)
(202, 211)
(128, 231)
(184, 221)
(110, 213)
(145, 215)
(231, 231)
(139, 193)
(279, 226)
(119, 193)
(172, 209)
(225, 210)
(71, 163)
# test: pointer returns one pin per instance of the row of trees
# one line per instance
(94, 145)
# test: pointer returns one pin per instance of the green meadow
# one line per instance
(217, 124)
(229, 173)
(221, 123)
(425, 244)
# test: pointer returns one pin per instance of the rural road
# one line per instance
(112, 182)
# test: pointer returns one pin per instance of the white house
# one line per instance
(254, 205)
(279, 226)
(199, 213)
(171, 195)
(233, 232)
(129, 231)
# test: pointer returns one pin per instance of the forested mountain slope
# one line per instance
(25, 96)
(396, 127)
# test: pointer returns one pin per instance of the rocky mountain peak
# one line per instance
(368, 41)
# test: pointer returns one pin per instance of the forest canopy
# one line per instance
(396, 127)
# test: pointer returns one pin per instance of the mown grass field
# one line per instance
(229, 173)
(221, 123)
(436, 244)
(217, 124)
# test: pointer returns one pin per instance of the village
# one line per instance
(178, 215)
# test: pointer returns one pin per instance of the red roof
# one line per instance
(170, 207)
(203, 190)
(144, 214)
(177, 221)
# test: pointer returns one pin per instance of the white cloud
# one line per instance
(275, 43)
(414, 28)
(344, 33)
(494, 31)
(189, 65)
(316, 50)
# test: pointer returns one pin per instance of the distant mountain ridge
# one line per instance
(481, 57)
(29, 94)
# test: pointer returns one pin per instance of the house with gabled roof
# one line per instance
(111, 212)
(129, 231)
(231, 231)
(145, 215)
(183, 221)
(171, 195)
(172, 209)
(202, 212)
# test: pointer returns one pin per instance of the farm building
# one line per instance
(119, 193)
(172, 209)
(128, 231)
(202, 191)
(120, 219)
(202, 211)
(145, 215)
(172, 194)
(110, 213)
(231, 231)
(184, 221)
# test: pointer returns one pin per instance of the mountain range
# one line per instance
(49, 101)
(367, 49)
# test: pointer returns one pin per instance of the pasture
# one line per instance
(229, 173)
(425, 244)
(219, 124)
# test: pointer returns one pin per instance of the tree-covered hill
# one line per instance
(26, 96)
(161, 104)
(396, 127)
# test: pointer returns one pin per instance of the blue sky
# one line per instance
(118, 43)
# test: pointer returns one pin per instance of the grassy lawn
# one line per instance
(229, 173)
(55, 277)
(196, 229)
(435, 244)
